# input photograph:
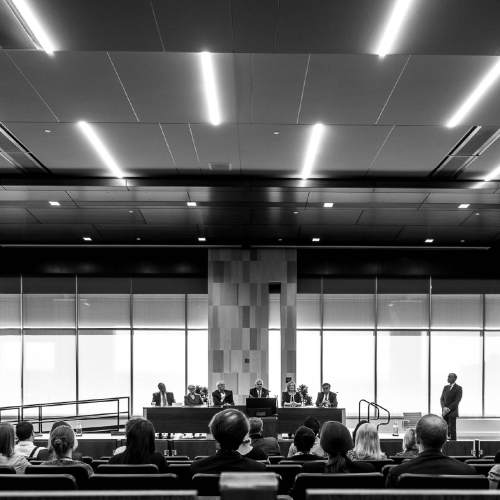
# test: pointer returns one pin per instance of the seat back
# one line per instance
(275, 459)
(482, 468)
(95, 464)
(206, 484)
(79, 472)
(127, 469)
(473, 461)
(183, 473)
(314, 466)
(386, 469)
(133, 482)
(6, 469)
(179, 458)
(37, 482)
(87, 460)
(442, 481)
(287, 473)
(379, 464)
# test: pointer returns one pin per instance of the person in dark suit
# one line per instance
(162, 397)
(191, 398)
(450, 399)
(269, 445)
(291, 397)
(229, 428)
(431, 436)
(326, 398)
(259, 391)
(221, 397)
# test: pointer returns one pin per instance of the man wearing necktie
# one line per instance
(162, 397)
(222, 397)
(326, 398)
(259, 391)
(450, 399)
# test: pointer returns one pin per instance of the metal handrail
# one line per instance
(377, 409)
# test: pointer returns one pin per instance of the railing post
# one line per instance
(118, 415)
(40, 419)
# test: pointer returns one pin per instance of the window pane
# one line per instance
(104, 311)
(399, 353)
(10, 310)
(349, 311)
(50, 368)
(197, 358)
(198, 311)
(10, 368)
(104, 367)
(348, 365)
(49, 310)
(308, 356)
(274, 311)
(159, 311)
(459, 312)
(492, 319)
(275, 383)
(403, 311)
(308, 315)
(492, 373)
(461, 353)
(159, 356)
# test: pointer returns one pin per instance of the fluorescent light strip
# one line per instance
(492, 175)
(482, 87)
(42, 39)
(211, 97)
(393, 26)
(317, 132)
(99, 147)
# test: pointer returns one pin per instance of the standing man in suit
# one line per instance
(221, 397)
(162, 397)
(326, 398)
(450, 399)
(259, 391)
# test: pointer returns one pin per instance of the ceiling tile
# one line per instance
(16, 216)
(87, 216)
(410, 217)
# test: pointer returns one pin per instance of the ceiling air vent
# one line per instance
(220, 167)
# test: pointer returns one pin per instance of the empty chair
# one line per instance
(206, 484)
(127, 469)
(178, 458)
(276, 459)
(79, 472)
(5, 469)
(37, 482)
(95, 464)
(133, 482)
(473, 461)
(440, 482)
(287, 473)
(379, 464)
(173, 462)
(183, 473)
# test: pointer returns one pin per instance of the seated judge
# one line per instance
(259, 391)
(326, 398)
(222, 397)
(291, 397)
(162, 397)
(191, 398)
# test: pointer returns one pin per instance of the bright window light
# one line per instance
(328, 204)
(317, 132)
(54, 204)
(191, 203)
(429, 240)
(99, 147)
(29, 18)
(464, 205)
(211, 97)
(393, 26)
(482, 87)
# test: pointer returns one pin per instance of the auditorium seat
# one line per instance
(206, 484)
(105, 457)
(5, 469)
(35, 462)
(483, 468)
(199, 457)
(183, 473)
(87, 460)
(127, 469)
(276, 459)
(35, 482)
(461, 458)
(314, 466)
(287, 473)
(386, 469)
(177, 458)
(379, 464)
(473, 461)
(95, 464)
(133, 482)
(304, 481)
(442, 481)
(79, 472)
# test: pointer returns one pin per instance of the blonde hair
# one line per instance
(367, 445)
(291, 383)
(409, 440)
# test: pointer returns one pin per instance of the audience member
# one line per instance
(247, 450)
(62, 442)
(229, 428)
(494, 474)
(431, 435)
(269, 445)
(304, 440)
(140, 448)
(313, 424)
(367, 444)
(48, 453)
(358, 425)
(25, 445)
(7, 454)
(410, 448)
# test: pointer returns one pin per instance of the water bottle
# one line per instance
(395, 429)
(78, 429)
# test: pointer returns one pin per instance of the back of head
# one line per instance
(24, 430)
(7, 439)
(336, 440)
(431, 432)
(256, 426)
(62, 440)
(304, 439)
(313, 424)
(355, 431)
(140, 435)
(229, 427)
(409, 440)
(57, 424)
(367, 443)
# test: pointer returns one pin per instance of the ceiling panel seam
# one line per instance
(158, 31)
(167, 144)
(194, 143)
(303, 87)
(379, 150)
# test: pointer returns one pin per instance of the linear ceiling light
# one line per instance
(482, 87)
(33, 26)
(317, 132)
(211, 97)
(393, 26)
(99, 147)
(492, 175)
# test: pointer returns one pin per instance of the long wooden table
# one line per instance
(180, 419)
